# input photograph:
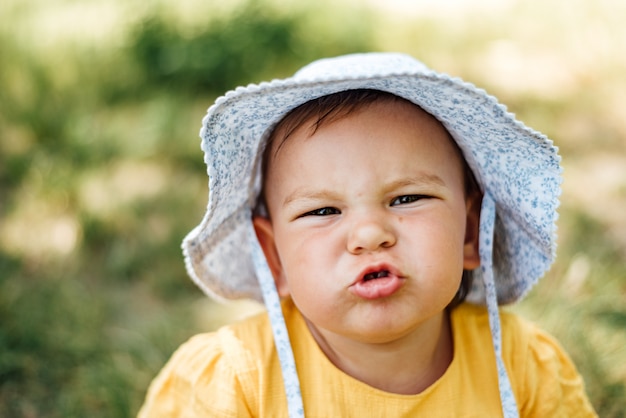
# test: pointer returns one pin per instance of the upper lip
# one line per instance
(376, 268)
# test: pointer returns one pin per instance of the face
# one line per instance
(370, 227)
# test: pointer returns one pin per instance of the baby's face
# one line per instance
(370, 228)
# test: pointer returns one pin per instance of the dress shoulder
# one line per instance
(544, 378)
(212, 374)
(552, 385)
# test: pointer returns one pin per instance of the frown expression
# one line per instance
(370, 226)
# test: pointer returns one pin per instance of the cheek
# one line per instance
(308, 259)
(438, 241)
(300, 245)
(294, 250)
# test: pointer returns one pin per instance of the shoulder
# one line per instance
(471, 325)
(477, 318)
(544, 378)
(550, 384)
(233, 347)
(520, 337)
(212, 373)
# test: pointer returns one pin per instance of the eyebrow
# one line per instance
(422, 179)
(310, 195)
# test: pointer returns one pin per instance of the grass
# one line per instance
(581, 302)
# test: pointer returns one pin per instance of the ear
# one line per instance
(265, 234)
(471, 256)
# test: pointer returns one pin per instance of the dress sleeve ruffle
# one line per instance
(554, 388)
(198, 380)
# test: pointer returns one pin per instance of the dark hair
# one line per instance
(325, 110)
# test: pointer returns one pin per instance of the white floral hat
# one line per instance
(517, 168)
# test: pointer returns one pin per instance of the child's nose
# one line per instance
(370, 234)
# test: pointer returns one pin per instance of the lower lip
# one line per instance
(377, 288)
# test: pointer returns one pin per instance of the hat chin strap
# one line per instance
(279, 328)
(485, 248)
(281, 336)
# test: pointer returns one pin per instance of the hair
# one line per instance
(327, 109)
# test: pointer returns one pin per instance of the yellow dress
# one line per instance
(235, 372)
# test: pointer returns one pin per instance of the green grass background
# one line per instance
(101, 174)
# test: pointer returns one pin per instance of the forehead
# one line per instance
(324, 110)
(396, 133)
(308, 118)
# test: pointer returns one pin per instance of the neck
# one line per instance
(408, 365)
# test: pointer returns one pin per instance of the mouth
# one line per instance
(376, 275)
(377, 282)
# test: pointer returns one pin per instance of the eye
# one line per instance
(322, 212)
(408, 198)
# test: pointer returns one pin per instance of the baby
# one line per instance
(381, 211)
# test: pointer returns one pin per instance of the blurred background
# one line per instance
(101, 174)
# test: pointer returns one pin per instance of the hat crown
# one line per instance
(379, 64)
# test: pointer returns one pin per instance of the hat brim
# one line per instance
(517, 165)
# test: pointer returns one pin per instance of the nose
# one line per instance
(370, 234)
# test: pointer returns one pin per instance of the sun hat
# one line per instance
(517, 168)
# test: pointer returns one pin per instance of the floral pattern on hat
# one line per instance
(518, 166)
